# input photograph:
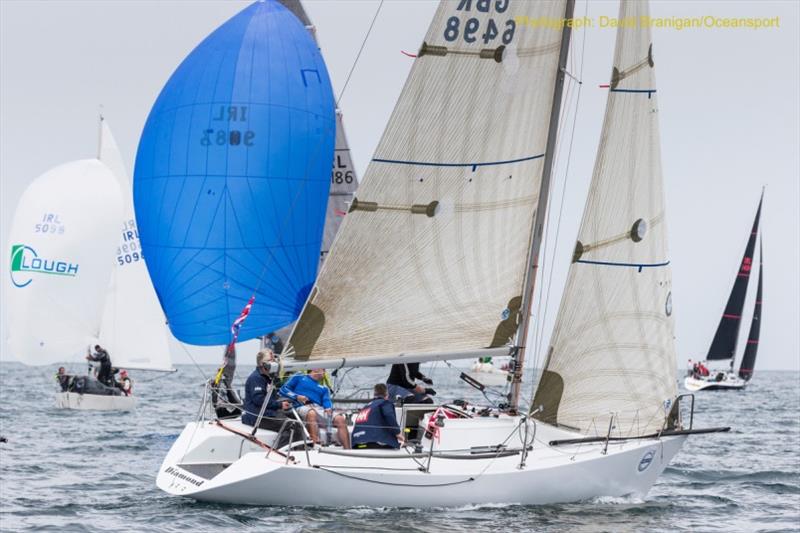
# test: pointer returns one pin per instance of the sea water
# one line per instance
(92, 471)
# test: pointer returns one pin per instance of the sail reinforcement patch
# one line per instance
(638, 230)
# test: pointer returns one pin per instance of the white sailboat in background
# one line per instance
(133, 328)
(69, 289)
(445, 234)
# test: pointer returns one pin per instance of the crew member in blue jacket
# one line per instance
(376, 424)
(313, 402)
(255, 394)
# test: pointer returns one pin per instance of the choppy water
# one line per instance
(70, 470)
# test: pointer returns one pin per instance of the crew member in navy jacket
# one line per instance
(376, 424)
(255, 394)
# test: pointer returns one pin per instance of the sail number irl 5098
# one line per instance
(470, 31)
(229, 136)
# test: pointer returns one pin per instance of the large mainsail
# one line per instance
(232, 177)
(63, 237)
(432, 255)
(725, 339)
(750, 351)
(133, 329)
(612, 348)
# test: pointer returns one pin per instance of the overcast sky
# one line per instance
(728, 98)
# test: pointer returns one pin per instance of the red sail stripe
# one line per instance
(732, 316)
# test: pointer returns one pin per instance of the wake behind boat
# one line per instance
(447, 265)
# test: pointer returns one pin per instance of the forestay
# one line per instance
(432, 255)
(612, 347)
(232, 177)
(62, 240)
(133, 328)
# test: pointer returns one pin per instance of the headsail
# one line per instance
(612, 347)
(432, 255)
(63, 237)
(725, 339)
(232, 177)
(750, 351)
(133, 329)
(344, 183)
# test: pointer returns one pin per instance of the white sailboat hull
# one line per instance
(208, 463)
(94, 402)
(729, 382)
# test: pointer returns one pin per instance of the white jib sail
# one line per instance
(343, 184)
(432, 254)
(62, 238)
(133, 329)
(612, 349)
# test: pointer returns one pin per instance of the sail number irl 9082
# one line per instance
(228, 136)
(470, 31)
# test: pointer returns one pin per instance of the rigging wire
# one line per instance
(543, 313)
(202, 372)
(358, 55)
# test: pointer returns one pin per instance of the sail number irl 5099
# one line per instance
(229, 136)
(470, 31)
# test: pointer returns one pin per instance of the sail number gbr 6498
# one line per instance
(473, 29)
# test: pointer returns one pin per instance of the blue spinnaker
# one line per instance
(232, 176)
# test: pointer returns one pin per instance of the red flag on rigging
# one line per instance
(237, 324)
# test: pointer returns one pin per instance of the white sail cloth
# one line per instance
(612, 349)
(63, 237)
(344, 183)
(432, 256)
(133, 329)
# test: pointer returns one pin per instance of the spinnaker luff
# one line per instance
(232, 177)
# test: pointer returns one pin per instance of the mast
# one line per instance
(541, 210)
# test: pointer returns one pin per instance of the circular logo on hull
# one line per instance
(646, 461)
